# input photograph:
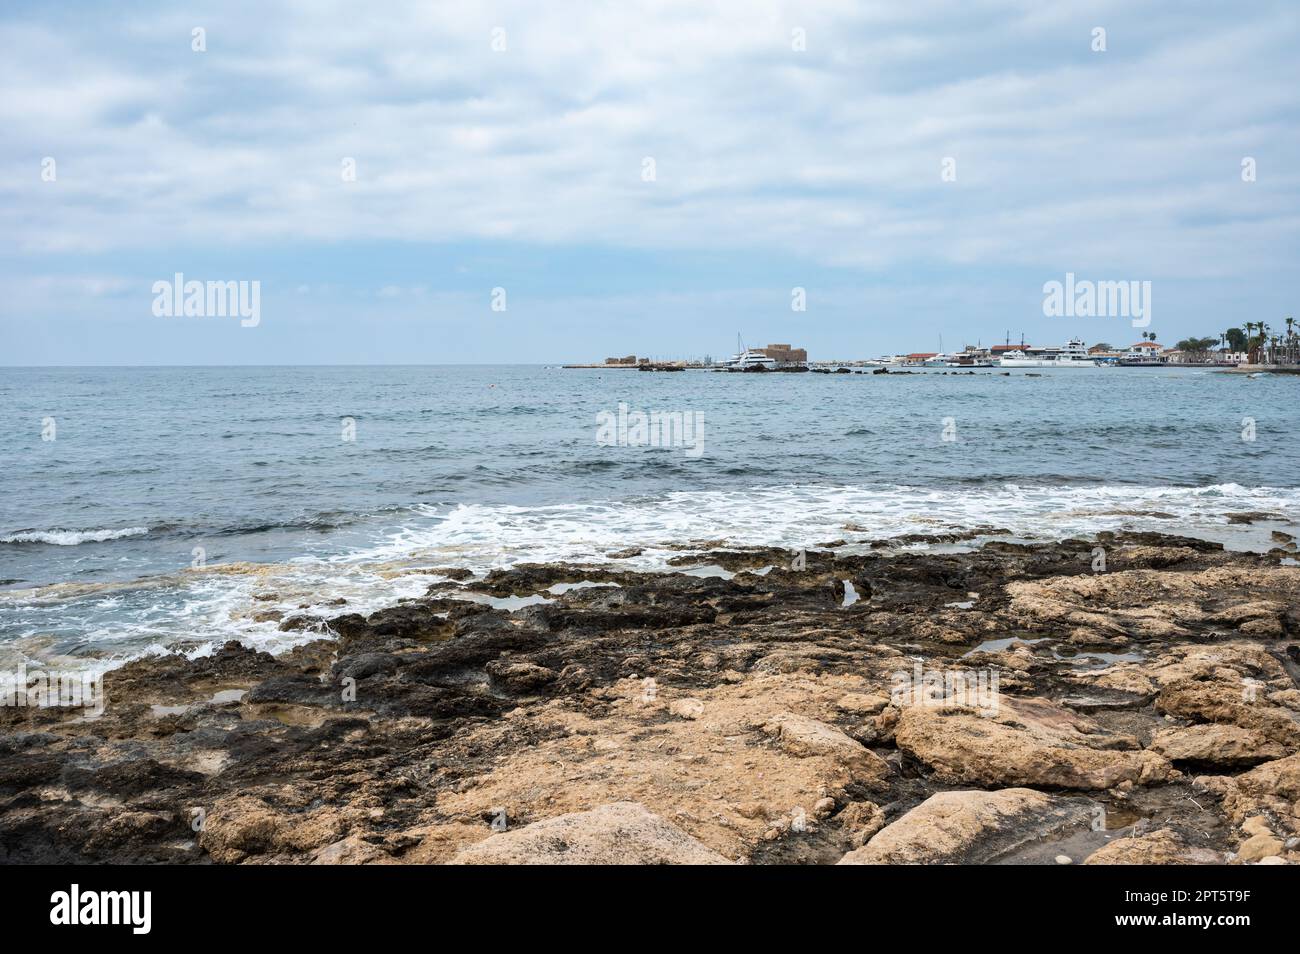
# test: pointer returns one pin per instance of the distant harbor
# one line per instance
(1249, 349)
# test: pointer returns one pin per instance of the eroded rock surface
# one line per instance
(1026, 742)
(622, 833)
(745, 715)
(971, 827)
(1163, 847)
(1219, 746)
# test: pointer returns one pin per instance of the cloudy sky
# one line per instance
(503, 145)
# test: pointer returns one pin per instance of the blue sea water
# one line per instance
(172, 505)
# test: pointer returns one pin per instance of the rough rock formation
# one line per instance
(1162, 847)
(1027, 742)
(971, 827)
(621, 833)
(750, 714)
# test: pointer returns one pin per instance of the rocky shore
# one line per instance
(1011, 704)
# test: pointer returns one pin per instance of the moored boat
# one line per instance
(1073, 355)
(747, 359)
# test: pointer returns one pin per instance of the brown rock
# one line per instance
(1259, 847)
(1162, 847)
(688, 708)
(1224, 701)
(971, 827)
(1028, 742)
(862, 703)
(860, 821)
(519, 676)
(801, 737)
(351, 850)
(1273, 787)
(824, 808)
(243, 826)
(620, 833)
(1225, 746)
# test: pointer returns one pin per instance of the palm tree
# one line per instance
(1251, 344)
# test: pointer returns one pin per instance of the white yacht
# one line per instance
(1018, 359)
(747, 358)
(1140, 358)
(1073, 355)
(973, 357)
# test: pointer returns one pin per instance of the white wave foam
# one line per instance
(483, 537)
(196, 611)
(70, 538)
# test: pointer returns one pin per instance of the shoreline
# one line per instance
(1260, 368)
(851, 367)
(266, 600)
(741, 716)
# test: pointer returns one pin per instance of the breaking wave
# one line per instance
(70, 538)
(196, 610)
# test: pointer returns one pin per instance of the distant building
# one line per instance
(1150, 347)
(630, 359)
(1175, 356)
(784, 355)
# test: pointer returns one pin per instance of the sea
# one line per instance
(168, 509)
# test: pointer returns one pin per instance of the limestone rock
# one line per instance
(862, 703)
(1259, 847)
(1028, 742)
(860, 821)
(1224, 746)
(1223, 702)
(801, 737)
(352, 850)
(242, 827)
(687, 708)
(1273, 786)
(970, 827)
(1161, 847)
(619, 833)
(519, 676)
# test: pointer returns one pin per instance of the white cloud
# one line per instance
(1066, 159)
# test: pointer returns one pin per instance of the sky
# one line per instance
(648, 178)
